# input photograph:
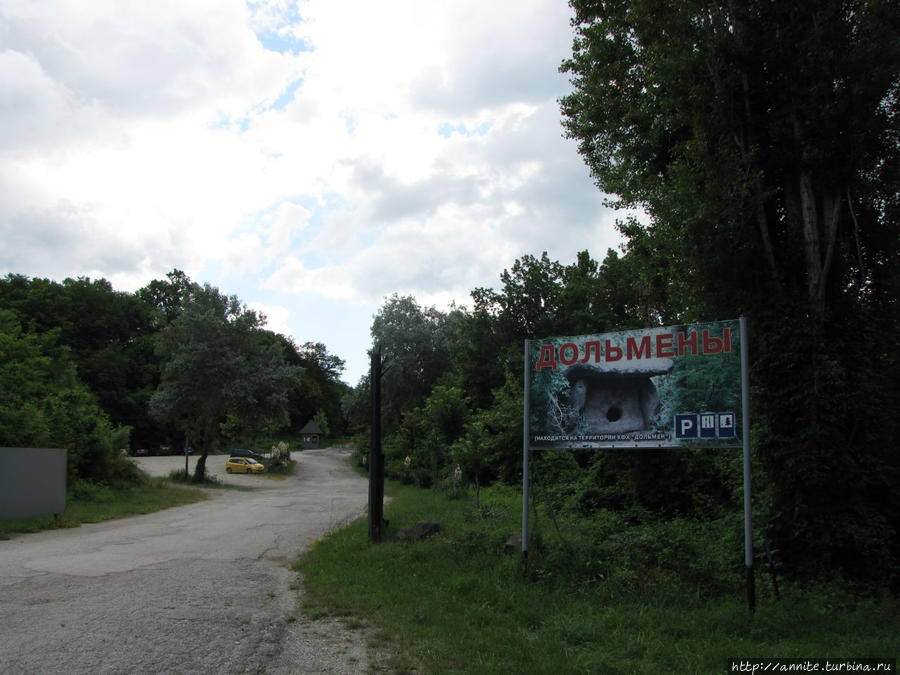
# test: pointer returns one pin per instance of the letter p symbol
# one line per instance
(686, 426)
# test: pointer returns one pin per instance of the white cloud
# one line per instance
(303, 149)
(294, 277)
(36, 111)
(140, 59)
(289, 219)
(276, 317)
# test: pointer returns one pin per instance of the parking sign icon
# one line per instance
(686, 426)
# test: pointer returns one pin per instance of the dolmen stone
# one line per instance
(513, 544)
(421, 530)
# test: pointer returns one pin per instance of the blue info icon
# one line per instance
(686, 426)
(726, 425)
(708, 425)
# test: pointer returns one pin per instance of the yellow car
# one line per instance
(243, 465)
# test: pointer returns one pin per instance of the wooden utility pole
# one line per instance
(376, 457)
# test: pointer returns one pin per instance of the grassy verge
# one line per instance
(97, 503)
(457, 603)
(186, 478)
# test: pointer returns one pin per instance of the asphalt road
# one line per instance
(204, 588)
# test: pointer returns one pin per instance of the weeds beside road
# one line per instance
(456, 603)
(103, 503)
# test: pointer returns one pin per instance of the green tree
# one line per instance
(321, 389)
(415, 353)
(762, 140)
(168, 297)
(27, 375)
(491, 447)
(526, 306)
(318, 389)
(356, 406)
(321, 420)
(479, 355)
(421, 449)
(758, 133)
(109, 334)
(216, 369)
(43, 404)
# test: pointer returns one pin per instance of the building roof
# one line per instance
(311, 428)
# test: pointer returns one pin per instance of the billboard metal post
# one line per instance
(525, 450)
(745, 414)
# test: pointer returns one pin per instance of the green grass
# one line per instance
(94, 503)
(186, 478)
(457, 603)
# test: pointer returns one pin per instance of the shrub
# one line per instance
(281, 458)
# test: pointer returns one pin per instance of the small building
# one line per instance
(310, 435)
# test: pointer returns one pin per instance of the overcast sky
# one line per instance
(310, 157)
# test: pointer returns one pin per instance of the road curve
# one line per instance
(202, 588)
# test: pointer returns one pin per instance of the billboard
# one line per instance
(659, 387)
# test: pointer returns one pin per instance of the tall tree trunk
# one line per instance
(763, 223)
(819, 227)
(200, 468)
(811, 247)
(819, 238)
(744, 136)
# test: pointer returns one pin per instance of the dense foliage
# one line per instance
(762, 141)
(102, 372)
(44, 404)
